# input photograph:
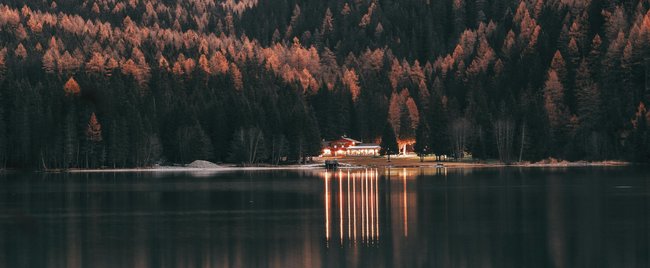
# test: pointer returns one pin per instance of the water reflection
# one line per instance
(347, 218)
(356, 206)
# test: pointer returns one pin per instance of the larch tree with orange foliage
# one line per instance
(94, 138)
(556, 109)
(20, 51)
(465, 65)
(237, 79)
(94, 129)
(3, 55)
(71, 88)
(351, 81)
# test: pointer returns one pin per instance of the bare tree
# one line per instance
(504, 131)
(248, 146)
(278, 148)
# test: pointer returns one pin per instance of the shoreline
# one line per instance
(355, 165)
(348, 163)
(189, 169)
(414, 162)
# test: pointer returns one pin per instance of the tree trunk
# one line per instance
(43, 161)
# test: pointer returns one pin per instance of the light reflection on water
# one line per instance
(356, 197)
(356, 218)
(356, 208)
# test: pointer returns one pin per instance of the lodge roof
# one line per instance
(349, 139)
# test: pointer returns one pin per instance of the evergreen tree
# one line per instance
(266, 63)
(70, 141)
(388, 141)
(312, 137)
(640, 146)
(422, 140)
(117, 141)
(3, 138)
(200, 145)
(439, 127)
(588, 96)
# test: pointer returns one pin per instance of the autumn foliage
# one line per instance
(71, 88)
(566, 73)
(94, 129)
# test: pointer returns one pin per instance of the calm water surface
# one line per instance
(579, 217)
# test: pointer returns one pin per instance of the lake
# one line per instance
(492, 217)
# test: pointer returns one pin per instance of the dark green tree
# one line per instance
(640, 145)
(422, 140)
(439, 128)
(388, 141)
(3, 138)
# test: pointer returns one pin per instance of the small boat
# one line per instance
(440, 165)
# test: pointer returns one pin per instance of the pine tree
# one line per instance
(611, 108)
(3, 138)
(388, 141)
(588, 97)
(422, 140)
(20, 127)
(70, 141)
(117, 141)
(312, 136)
(328, 23)
(594, 59)
(640, 145)
(439, 127)
(200, 145)
(356, 55)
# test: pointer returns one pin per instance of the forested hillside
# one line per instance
(89, 83)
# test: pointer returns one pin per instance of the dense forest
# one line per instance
(132, 83)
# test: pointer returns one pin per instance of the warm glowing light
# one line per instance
(406, 219)
(367, 205)
(354, 202)
(347, 200)
(327, 207)
(377, 200)
(341, 205)
(363, 209)
(372, 207)
(348, 192)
